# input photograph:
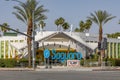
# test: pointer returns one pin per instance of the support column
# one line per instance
(13, 52)
(8, 49)
(0, 49)
(117, 50)
(4, 51)
(109, 50)
(113, 54)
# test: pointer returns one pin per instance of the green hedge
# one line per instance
(24, 62)
(87, 62)
(7, 62)
(114, 62)
(15, 63)
(109, 62)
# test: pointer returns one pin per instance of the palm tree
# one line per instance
(65, 26)
(24, 13)
(41, 24)
(88, 25)
(82, 26)
(59, 22)
(100, 18)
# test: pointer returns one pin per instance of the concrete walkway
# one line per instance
(63, 68)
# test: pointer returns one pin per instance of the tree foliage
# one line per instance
(42, 24)
(24, 12)
(84, 26)
(114, 35)
(65, 26)
(4, 27)
(100, 18)
(60, 22)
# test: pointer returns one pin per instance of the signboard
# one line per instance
(46, 53)
(73, 63)
(65, 56)
(62, 56)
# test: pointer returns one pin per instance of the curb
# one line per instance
(106, 69)
(16, 69)
(64, 69)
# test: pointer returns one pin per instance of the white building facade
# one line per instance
(16, 46)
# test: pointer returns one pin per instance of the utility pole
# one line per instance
(33, 41)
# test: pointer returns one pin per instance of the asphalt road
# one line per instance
(63, 75)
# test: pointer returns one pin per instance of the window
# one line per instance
(16, 40)
(21, 40)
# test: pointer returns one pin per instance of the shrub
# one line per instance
(114, 62)
(7, 62)
(82, 62)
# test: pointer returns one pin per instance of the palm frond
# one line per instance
(109, 19)
(65, 26)
(100, 17)
(94, 18)
(21, 12)
(19, 17)
(40, 17)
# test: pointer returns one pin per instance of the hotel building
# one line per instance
(15, 46)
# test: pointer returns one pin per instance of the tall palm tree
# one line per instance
(24, 13)
(59, 22)
(100, 18)
(82, 26)
(41, 24)
(65, 26)
(88, 25)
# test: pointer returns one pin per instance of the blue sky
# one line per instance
(73, 11)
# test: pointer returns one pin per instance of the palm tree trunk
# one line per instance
(29, 32)
(29, 52)
(100, 33)
(100, 39)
